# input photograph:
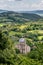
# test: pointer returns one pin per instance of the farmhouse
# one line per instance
(22, 46)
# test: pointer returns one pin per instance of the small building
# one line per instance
(22, 46)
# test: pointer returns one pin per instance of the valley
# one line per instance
(14, 26)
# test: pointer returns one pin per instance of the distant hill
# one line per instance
(1, 11)
(11, 16)
(39, 12)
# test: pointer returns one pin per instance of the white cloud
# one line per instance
(20, 5)
(11, 0)
(38, 5)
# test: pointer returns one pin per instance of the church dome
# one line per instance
(22, 40)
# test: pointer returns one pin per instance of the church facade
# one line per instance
(22, 46)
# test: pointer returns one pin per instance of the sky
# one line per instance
(21, 5)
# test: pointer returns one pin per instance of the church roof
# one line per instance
(22, 40)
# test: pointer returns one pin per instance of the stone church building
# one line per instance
(22, 46)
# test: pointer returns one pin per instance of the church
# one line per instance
(22, 46)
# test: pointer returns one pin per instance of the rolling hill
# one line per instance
(1, 11)
(11, 16)
(39, 12)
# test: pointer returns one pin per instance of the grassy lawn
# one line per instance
(13, 33)
(36, 31)
(23, 26)
(1, 24)
(40, 37)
